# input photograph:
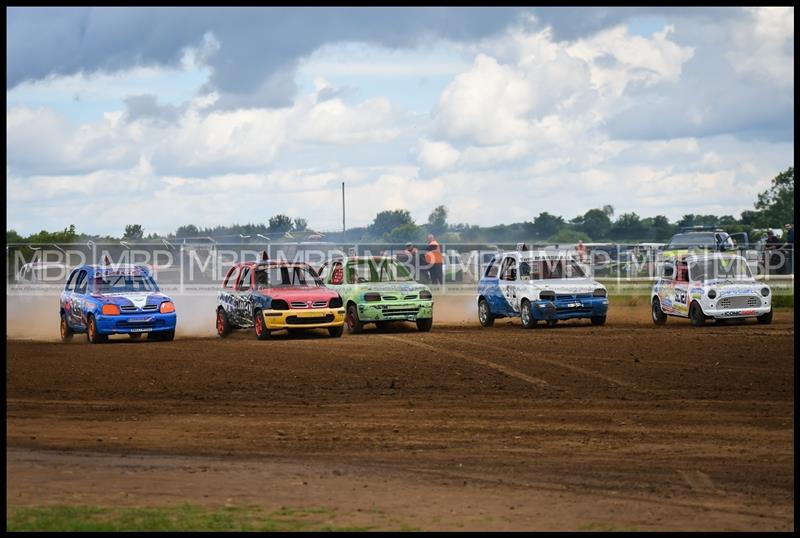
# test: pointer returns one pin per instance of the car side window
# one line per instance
(70, 280)
(337, 274)
(81, 282)
(230, 278)
(681, 272)
(668, 271)
(491, 271)
(509, 269)
(244, 280)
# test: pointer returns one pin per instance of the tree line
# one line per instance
(773, 208)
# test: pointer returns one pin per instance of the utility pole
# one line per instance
(343, 226)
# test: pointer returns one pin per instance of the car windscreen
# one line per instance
(530, 269)
(294, 276)
(121, 283)
(703, 240)
(720, 268)
(384, 270)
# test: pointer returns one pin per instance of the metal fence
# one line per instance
(198, 266)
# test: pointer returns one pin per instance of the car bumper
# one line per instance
(732, 313)
(399, 311)
(570, 309)
(313, 318)
(136, 323)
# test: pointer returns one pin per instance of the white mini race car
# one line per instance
(709, 286)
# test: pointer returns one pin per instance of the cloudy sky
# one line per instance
(166, 117)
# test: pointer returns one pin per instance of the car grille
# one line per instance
(389, 297)
(739, 301)
(409, 297)
(125, 324)
(145, 308)
(295, 320)
(315, 304)
(400, 310)
(564, 297)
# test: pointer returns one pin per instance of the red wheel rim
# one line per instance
(351, 320)
(63, 328)
(91, 328)
(259, 325)
(220, 324)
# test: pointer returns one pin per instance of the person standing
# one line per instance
(412, 253)
(435, 260)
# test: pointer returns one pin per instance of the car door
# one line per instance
(244, 298)
(227, 296)
(78, 300)
(665, 287)
(488, 287)
(509, 287)
(681, 288)
(66, 297)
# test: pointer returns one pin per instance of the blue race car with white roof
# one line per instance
(101, 300)
(539, 286)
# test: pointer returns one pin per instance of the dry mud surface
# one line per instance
(626, 426)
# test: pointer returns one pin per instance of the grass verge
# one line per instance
(185, 517)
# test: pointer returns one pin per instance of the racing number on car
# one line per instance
(680, 295)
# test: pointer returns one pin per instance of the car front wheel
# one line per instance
(696, 315)
(525, 312)
(92, 335)
(658, 315)
(354, 325)
(424, 324)
(765, 319)
(484, 314)
(66, 332)
(223, 326)
(262, 333)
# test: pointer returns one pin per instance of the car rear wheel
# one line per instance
(484, 314)
(92, 335)
(262, 333)
(525, 312)
(354, 325)
(223, 325)
(424, 324)
(765, 319)
(552, 322)
(135, 336)
(658, 315)
(696, 315)
(336, 332)
(66, 332)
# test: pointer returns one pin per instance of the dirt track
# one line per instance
(574, 427)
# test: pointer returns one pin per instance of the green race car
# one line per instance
(378, 290)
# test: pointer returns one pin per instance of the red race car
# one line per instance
(275, 295)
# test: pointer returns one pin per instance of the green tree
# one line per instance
(565, 235)
(133, 231)
(595, 223)
(13, 237)
(301, 225)
(403, 234)
(280, 224)
(628, 226)
(189, 230)
(437, 220)
(608, 209)
(662, 229)
(547, 225)
(776, 204)
(386, 221)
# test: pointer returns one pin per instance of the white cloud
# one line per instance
(437, 156)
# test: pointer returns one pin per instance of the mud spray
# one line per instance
(35, 317)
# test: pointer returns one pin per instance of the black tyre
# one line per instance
(354, 325)
(66, 332)
(525, 312)
(382, 326)
(92, 335)
(223, 325)
(658, 316)
(162, 336)
(135, 336)
(259, 326)
(696, 315)
(765, 319)
(424, 324)
(485, 314)
(552, 322)
(336, 332)
(598, 320)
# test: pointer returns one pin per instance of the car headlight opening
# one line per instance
(712, 294)
(600, 292)
(765, 291)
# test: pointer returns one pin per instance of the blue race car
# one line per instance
(101, 300)
(539, 286)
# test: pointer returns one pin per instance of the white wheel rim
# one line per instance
(526, 317)
(483, 311)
